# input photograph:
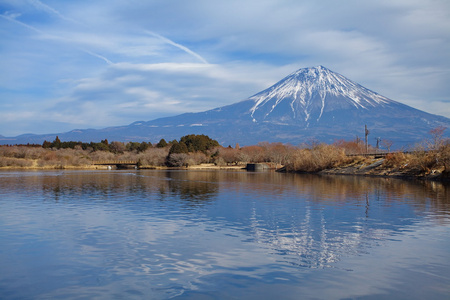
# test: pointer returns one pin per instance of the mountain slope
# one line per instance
(311, 103)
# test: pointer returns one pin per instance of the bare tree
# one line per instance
(437, 139)
(117, 147)
(387, 144)
(229, 155)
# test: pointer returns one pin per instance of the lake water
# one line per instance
(221, 235)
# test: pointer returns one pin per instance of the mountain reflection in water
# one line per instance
(175, 233)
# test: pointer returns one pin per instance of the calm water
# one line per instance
(221, 235)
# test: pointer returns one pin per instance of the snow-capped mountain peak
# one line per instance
(308, 93)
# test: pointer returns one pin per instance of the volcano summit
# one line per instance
(309, 104)
(311, 96)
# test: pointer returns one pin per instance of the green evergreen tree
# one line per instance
(178, 148)
(161, 144)
(196, 143)
(56, 143)
(132, 146)
(46, 144)
(144, 146)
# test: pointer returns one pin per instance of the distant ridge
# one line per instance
(309, 104)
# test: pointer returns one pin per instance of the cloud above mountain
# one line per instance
(81, 64)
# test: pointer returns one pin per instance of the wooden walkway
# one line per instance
(376, 155)
(115, 162)
(379, 154)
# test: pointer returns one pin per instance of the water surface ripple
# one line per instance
(221, 235)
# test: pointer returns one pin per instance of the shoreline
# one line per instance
(407, 176)
(373, 168)
(99, 167)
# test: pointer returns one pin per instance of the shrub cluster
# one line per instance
(26, 156)
(104, 145)
(426, 161)
(395, 160)
(427, 157)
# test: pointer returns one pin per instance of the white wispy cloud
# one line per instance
(181, 47)
(44, 35)
(99, 56)
(13, 17)
(44, 7)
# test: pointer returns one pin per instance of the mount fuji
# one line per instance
(309, 104)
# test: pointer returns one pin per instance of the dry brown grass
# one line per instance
(421, 161)
(444, 156)
(319, 158)
(396, 160)
(15, 162)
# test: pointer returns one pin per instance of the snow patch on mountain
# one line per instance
(311, 90)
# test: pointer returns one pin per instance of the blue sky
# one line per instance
(93, 64)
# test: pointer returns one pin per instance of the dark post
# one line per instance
(366, 134)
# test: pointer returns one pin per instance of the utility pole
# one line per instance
(378, 142)
(366, 134)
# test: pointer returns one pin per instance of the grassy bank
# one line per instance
(329, 159)
(430, 159)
